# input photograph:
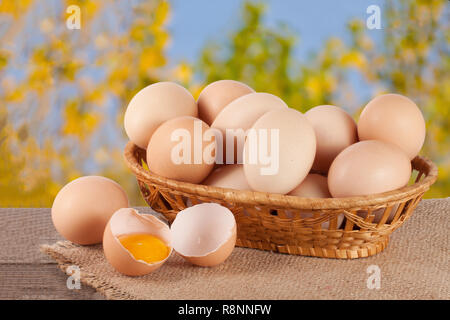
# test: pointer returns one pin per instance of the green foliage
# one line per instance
(263, 58)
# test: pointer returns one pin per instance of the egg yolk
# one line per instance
(145, 247)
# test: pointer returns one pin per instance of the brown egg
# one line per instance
(335, 130)
(83, 207)
(314, 186)
(215, 96)
(153, 105)
(368, 167)
(279, 151)
(180, 149)
(126, 222)
(229, 176)
(239, 116)
(396, 119)
(204, 234)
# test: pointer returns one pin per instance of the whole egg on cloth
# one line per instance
(82, 208)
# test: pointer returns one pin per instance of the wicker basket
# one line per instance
(272, 221)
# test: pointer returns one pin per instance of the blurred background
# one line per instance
(63, 91)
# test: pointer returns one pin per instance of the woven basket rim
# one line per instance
(280, 200)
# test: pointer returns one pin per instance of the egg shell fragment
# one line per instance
(204, 234)
(128, 221)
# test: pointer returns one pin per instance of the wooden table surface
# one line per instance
(25, 272)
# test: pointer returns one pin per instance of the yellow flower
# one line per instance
(313, 86)
(353, 58)
(14, 7)
(183, 72)
(78, 123)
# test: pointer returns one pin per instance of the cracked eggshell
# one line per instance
(204, 234)
(127, 221)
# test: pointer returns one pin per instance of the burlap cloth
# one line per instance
(413, 266)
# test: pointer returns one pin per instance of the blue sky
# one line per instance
(195, 22)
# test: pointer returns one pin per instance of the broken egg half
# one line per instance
(136, 244)
(204, 234)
